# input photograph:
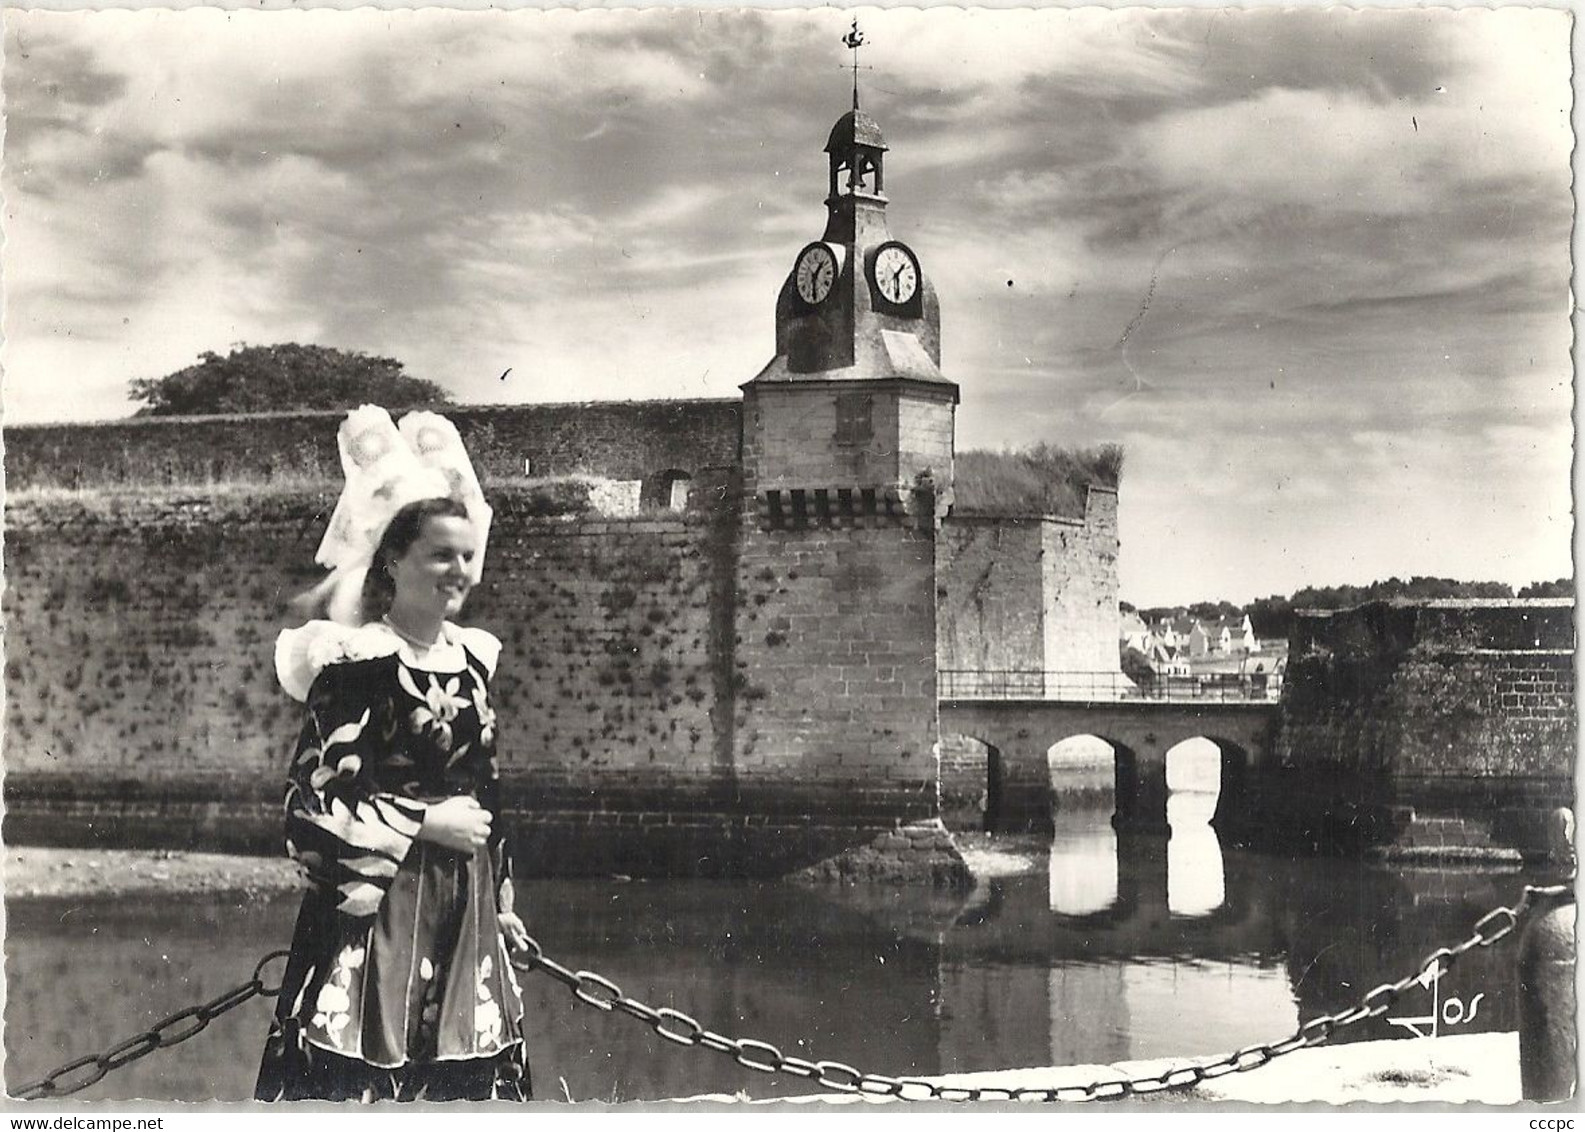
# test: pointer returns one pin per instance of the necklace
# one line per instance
(408, 637)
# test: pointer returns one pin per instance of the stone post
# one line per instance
(1547, 1042)
(1026, 796)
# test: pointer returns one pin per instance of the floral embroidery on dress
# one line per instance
(381, 740)
(486, 1014)
(345, 765)
(481, 704)
(438, 705)
(335, 1000)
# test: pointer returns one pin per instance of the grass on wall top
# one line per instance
(1042, 480)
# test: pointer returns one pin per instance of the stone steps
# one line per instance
(1444, 837)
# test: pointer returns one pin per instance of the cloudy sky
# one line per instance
(1310, 267)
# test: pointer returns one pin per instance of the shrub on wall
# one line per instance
(1043, 480)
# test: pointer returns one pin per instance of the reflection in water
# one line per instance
(1085, 854)
(1083, 860)
(1196, 885)
(1187, 1006)
(1083, 844)
(1195, 882)
(1089, 1014)
(891, 979)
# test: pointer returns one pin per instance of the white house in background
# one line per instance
(1173, 639)
(1259, 673)
(1173, 662)
(1163, 645)
(1226, 636)
(1133, 632)
(1173, 632)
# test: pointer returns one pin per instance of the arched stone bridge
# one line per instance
(1019, 733)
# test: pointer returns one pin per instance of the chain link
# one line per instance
(675, 1026)
(81, 1072)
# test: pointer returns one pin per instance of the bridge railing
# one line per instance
(1090, 687)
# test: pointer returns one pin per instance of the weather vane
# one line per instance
(855, 39)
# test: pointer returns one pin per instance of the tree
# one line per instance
(1213, 610)
(1563, 587)
(1135, 665)
(260, 379)
(1271, 616)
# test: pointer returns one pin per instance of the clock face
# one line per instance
(816, 272)
(896, 273)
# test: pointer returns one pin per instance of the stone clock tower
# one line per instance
(847, 473)
(854, 405)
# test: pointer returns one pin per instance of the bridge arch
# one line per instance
(1124, 763)
(1083, 874)
(970, 782)
(1083, 768)
(1022, 732)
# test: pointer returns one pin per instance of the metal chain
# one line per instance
(675, 1026)
(184, 1024)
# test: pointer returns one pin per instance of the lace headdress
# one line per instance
(387, 467)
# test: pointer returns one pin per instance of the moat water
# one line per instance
(1117, 950)
(1110, 948)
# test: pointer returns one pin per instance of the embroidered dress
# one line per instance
(399, 984)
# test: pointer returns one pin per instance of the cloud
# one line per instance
(1351, 226)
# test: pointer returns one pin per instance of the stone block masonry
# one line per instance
(1400, 717)
(1080, 588)
(834, 697)
(1030, 593)
(625, 440)
(989, 593)
(832, 678)
(142, 700)
(652, 719)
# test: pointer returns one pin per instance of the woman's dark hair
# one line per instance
(379, 590)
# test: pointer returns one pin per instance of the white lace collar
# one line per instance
(302, 653)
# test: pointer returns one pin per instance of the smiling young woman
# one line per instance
(400, 985)
(421, 571)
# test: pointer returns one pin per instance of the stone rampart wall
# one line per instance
(989, 595)
(1443, 689)
(631, 440)
(140, 635)
(1030, 593)
(1080, 575)
(678, 693)
(1397, 713)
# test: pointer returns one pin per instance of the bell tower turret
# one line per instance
(855, 200)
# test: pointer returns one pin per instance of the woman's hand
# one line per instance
(514, 931)
(457, 823)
